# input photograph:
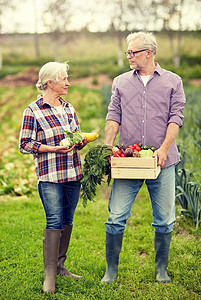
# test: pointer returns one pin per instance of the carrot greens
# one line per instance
(96, 169)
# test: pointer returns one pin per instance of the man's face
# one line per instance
(139, 60)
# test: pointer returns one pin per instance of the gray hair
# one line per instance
(147, 40)
(50, 71)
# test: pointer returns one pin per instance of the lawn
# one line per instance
(22, 223)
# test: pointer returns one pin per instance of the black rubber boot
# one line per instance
(63, 248)
(113, 248)
(51, 239)
(162, 247)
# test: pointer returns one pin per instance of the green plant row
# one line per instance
(190, 66)
(188, 193)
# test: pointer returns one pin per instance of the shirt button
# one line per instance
(142, 121)
(143, 136)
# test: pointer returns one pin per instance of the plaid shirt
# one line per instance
(42, 124)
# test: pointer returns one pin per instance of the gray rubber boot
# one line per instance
(51, 239)
(63, 248)
(162, 247)
(113, 248)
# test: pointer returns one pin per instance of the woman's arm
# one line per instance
(54, 149)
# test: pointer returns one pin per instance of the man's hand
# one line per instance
(161, 155)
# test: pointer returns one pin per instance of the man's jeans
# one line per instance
(162, 194)
(59, 201)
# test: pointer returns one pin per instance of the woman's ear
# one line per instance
(49, 83)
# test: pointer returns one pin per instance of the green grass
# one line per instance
(22, 223)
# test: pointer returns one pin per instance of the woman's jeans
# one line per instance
(59, 201)
(162, 194)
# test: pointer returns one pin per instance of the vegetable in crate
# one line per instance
(116, 151)
(96, 165)
(129, 152)
(146, 153)
(135, 147)
(136, 154)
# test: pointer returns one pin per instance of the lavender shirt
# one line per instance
(144, 112)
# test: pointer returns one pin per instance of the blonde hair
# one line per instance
(50, 71)
(147, 40)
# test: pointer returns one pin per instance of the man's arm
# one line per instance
(111, 131)
(171, 133)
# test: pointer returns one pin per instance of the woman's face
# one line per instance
(60, 87)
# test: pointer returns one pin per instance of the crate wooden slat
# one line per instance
(134, 168)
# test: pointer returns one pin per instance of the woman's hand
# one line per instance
(62, 149)
(54, 149)
(82, 144)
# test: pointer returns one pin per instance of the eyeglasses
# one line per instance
(132, 53)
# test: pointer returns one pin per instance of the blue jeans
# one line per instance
(162, 195)
(59, 202)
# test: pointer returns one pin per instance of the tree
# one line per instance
(171, 13)
(57, 18)
(57, 15)
(5, 5)
(124, 15)
(36, 37)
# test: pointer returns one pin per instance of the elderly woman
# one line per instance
(58, 169)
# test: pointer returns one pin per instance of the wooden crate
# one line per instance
(134, 168)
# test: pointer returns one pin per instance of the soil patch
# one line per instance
(25, 78)
(29, 77)
(196, 82)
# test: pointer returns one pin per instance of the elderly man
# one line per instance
(147, 105)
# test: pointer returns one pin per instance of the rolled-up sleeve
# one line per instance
(114, 108)
(177, 104)
(27, 141)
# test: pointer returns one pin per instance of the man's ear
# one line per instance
(149, 53)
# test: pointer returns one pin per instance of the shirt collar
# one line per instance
(43, 104)
(158, 69)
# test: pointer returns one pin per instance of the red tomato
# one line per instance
(135, 145)
(119, 152)
(137, 148)
(123, 155)
(132, 147)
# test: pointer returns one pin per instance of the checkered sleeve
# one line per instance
(76, 121)
(27, 140)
